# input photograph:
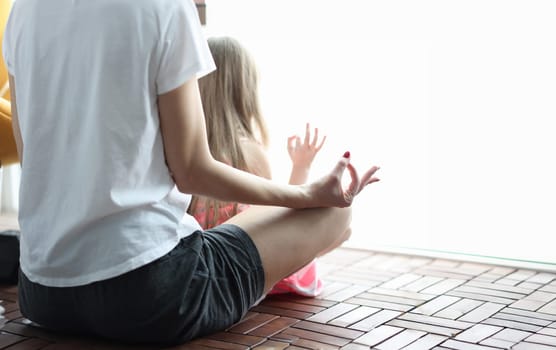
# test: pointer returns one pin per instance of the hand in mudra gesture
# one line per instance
(329, 191)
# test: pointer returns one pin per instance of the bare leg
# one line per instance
(289, 239)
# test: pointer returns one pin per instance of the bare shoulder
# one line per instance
(257, 158)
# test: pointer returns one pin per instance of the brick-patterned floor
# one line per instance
(371, 301)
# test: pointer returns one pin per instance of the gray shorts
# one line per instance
(205, 284)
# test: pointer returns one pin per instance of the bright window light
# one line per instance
(453, 99)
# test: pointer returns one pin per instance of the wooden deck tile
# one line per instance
(332, 313)
(400, 281)
(435, 305)
(481, 297)
(444, 273)
(511, 335)
(548, 288)
(427, 342)
(549, 308)
(329, 329)
(211, 343)
(294, 298)
(524, 319)
(401, 293)
(354, 316)
(498, 343)
(271, 344)
(311, 344)
(391, 299)
(477, 333)
(375, 320)
(459, 309)
(491, 292)
(531, 346)
(520, 292)
(548, 331)
(379, 304)
(528, 304)
(29, 344)
(542, 339)
(401, 340)
(482, 312)
(459, 345)
(421, 283)
(331, 287)
(529, 285)
(534, 314)
(243, 339)
(347, 293)
(443, 286)
(512, 324)
(316, 336)
(7, 339)
(276, 325)
(378, 335)
(438, 321)
(252, 322)
(282, 312)
(450, 332)
(354, 346)
(542, 278)
(293, 306)
(370, 300)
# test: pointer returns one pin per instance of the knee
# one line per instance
(344, 215)
(347, 234)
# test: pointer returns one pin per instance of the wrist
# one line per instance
(301, 167)
(305, 198)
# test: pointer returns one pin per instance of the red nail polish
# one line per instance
(346, 155)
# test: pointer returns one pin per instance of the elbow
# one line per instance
(185, 183)
(192, 179)
(182, 186)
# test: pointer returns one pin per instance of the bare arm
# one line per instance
(195, 170)
(15, 120)
(303, 154)
(193, 167)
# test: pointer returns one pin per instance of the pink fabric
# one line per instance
(305, 282)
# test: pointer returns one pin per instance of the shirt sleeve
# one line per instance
(185, 52)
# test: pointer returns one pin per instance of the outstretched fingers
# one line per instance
(315, 137)
(368, 177)
(293, 143)
(321, 142)
(345, 193)
(353, 187)
(357, 183)
(307, 139)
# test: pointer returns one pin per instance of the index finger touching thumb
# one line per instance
(342, 164)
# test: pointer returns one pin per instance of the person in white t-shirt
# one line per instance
(112, 142)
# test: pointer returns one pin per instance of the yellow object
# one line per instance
(8, 150)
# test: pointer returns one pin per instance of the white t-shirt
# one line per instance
(97, 199)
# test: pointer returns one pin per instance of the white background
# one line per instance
(455, 100)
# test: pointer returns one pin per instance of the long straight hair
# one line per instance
(232, 112)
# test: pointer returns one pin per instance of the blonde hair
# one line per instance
(232, 111)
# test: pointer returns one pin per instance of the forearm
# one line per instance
(222, 182)
(299, 175)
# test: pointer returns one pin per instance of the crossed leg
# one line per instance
(288, 239)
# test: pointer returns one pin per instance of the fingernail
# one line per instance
(346, 155)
